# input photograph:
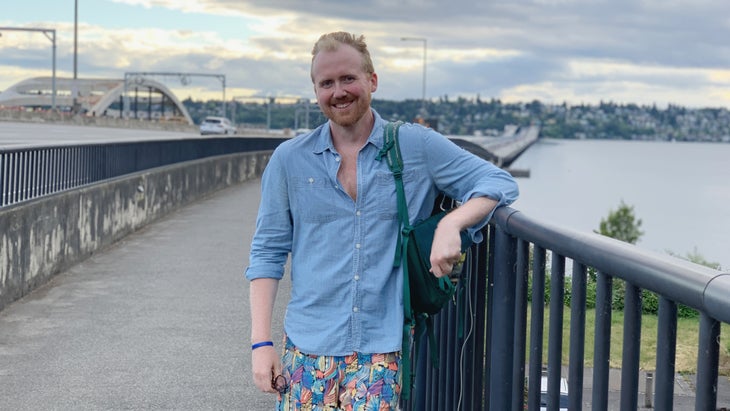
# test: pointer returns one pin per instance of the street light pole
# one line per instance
(425, 47)
(50, 35)
(76, 36)
(53, 78)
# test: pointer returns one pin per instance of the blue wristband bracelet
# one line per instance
(262, 344)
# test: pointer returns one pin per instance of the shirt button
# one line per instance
(355, 309)
(357, 213)
(357, 245)
(357, 277)
(311, 180)
(337, 159)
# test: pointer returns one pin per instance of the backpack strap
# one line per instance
(415, 325)
(391, 152)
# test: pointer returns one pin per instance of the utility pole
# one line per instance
(75, 88)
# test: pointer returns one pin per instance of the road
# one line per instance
(15, 135)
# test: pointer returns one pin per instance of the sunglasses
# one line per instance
(280, 384)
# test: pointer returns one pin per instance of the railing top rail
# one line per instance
(681, 281)
(211, 140)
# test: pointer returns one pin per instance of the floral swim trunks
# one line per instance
(356, 382)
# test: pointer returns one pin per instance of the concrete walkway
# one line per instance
(159, 321)
(684, 394)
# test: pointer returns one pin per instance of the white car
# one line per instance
(563, 394)
(216, 125)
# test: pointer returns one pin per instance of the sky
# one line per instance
(645, 52)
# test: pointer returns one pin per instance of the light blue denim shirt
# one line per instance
(346, 296)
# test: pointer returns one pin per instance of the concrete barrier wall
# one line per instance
(43, 237)
(48, 117)
(102, 121)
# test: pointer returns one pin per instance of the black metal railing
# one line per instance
(32, 172)
(486, 361)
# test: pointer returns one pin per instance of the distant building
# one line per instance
(143, 98)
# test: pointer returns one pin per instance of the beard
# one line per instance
(349, 116)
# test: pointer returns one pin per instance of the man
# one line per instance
(328, 202)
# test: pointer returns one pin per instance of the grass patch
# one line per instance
(687, 341)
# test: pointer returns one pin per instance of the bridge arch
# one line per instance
(98, 97)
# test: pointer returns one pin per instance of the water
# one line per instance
(680, 191)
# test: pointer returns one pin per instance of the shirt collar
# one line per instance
(323, 140)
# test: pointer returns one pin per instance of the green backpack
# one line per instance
(423, 293)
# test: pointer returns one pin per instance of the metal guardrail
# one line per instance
(28, 173)
(482, 338)
(32, 172)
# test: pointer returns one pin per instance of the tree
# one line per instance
(622, 224)
(697, 258)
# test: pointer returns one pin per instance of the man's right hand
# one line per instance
(266, 364)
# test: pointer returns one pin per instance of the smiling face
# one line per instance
(342, 86)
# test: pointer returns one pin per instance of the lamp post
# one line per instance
(423, 91)
(76, 36)
(50, 35)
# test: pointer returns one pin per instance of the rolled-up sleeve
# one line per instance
(272, 239)
(497, 184)
(462, 175)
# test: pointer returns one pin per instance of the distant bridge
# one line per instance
(502, 150)
(146, 98)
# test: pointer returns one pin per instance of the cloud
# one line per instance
(668, 51)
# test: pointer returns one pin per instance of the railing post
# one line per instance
(468, 356)
(14, 177)
(480, 265)
(631, 348)
(666, 350)
(707, 363)
(520, 327)
(2, 179)
(536, 328)
(577, 337)
(503, 318)
(602, 344)
(555, 330)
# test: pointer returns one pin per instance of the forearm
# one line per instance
(265, 362)
(469, 213)
(446, 247)
(262, 296)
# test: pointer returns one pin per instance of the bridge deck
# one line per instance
(505, 149)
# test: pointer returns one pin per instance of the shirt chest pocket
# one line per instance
(314, 200)
(387, 199)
